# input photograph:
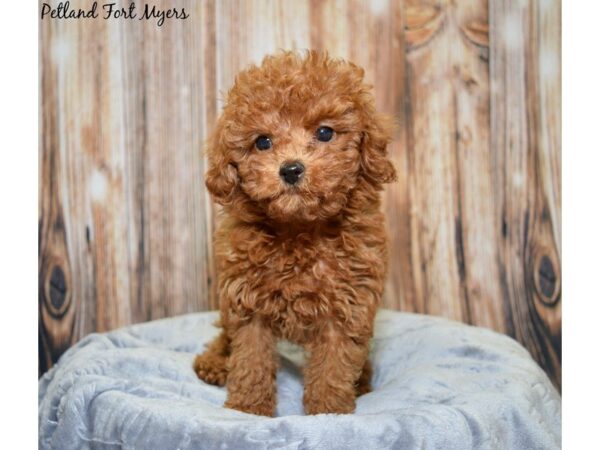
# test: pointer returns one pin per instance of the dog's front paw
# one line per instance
(263, 408)
(331, 403)
(211, 369)
(325, 408)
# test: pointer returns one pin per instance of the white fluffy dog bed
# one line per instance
(437, 385)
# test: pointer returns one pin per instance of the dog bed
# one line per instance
(437, 384)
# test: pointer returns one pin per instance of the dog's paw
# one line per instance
(332, 402)
(265, 408)
(211, 369)
(320, 407)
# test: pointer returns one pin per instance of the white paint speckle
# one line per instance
(378, 6)
(549, 64)
(98, 186)
(61, 49)
(512, 31)
(518, 180)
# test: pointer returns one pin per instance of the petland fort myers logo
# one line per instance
(109, 11)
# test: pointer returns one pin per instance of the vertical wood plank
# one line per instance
(388, 59)
(453, 214)
(525, 180)
(431, 125)
(178, 221)
(66, 295)
(476, 227)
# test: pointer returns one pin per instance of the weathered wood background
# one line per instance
(125, 221)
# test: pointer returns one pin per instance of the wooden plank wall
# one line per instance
(125, 222)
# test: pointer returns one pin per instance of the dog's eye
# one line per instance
(263, 143)
(324, 134)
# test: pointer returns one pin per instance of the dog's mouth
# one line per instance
(292, 205)
(298, 205)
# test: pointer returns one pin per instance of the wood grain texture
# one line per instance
(525, 130)
(126, 223)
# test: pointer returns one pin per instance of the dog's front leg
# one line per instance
(252, 369)
(335, 363)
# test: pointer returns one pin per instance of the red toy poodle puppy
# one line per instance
(298, 159)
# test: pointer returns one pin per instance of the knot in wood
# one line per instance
(546, 280)
(56, 291)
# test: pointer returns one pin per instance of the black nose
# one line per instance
(291, 172)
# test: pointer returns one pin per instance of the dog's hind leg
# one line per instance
(363, 384)
(211, 366)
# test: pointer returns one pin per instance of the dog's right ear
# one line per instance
(221, 177)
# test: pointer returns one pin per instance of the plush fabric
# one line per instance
(437, 384)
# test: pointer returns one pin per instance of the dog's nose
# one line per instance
(291, 172)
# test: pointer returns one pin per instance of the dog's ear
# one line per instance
(378, 132)
(221, 177)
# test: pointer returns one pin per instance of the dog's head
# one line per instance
(298, 136)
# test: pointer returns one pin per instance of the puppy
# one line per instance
(297, 159)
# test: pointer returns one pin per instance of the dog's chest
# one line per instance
(294, 282)
(301, 288)
(300, 282)
(302, 269)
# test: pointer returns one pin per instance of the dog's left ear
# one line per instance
(376, 166)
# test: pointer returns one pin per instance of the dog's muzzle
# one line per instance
(291, 172)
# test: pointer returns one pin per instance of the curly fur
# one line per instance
(305, 263)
